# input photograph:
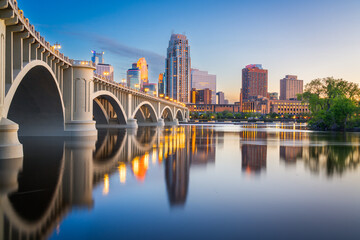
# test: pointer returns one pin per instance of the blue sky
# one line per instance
(311, 39)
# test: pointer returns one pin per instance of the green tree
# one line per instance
(333, 103)
(238, 116)
(229, 115)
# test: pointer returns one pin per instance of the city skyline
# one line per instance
(317, 40)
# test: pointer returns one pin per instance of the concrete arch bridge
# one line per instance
(44, 93)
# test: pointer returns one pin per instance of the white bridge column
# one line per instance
(131, 122)
(78, 88)
(161, 121)
(10, 147)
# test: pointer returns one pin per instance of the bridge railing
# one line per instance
(35, 33)
(83, 63)
(137, 91)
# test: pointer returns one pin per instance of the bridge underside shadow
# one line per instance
(107, 113)
(37, 105)
(146, 116)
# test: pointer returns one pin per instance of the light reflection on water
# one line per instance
(278, 181)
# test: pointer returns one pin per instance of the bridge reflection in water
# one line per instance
(57, 175)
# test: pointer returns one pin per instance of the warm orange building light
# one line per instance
(143, 66)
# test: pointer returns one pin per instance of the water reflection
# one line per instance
(58, 175)
(333, 154)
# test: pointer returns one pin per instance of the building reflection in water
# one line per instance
(253, 151)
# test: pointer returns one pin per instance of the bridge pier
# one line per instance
(132, 123)
(173, 123)
(78, 175)
(10, 147)
(78, 87)
(161, 122)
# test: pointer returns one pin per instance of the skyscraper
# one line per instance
(97, 57)
(161, 85)
(134, 77)
(201, 80)
(290, 86)
(144, 69)
(178, 66)
(220, 98)
(254, 81)
(105, 70)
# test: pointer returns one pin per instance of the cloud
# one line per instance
(123, 56)
(156, 61)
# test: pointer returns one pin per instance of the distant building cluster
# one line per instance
(198, 89)
(255, 98)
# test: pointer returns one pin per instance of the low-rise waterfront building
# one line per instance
(215, 108)
(203, 96)
(292, 107)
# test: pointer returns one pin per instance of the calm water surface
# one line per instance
(187, 182)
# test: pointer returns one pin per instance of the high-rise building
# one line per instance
(202, 80)
(105, 70)
(144, 69)
(290, 86)
(161, 85)
(134, 77)
(97, 57)
(254, 81)
(150, 88)
(178, 66)
(220, 98)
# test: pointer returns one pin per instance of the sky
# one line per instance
(309, 38)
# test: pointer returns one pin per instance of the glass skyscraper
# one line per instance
(178, 67)
(134, 77)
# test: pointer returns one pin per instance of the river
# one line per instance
(189, 182)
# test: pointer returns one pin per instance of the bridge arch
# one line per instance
(34, 101)
(140, 115)
(180, 115)
(100, 113)
(167, 114)
(115, 103)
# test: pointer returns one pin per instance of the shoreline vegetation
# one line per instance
(334, 105)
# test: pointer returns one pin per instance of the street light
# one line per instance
(57, 46)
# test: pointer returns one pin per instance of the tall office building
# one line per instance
(150, 88)
(161, 85)
(201, 80)
(97, 57)
(105, 70)
(178, 67)
(220, 98)
(144, 69)
(290, 86)
(134, 77)
(254, 81)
